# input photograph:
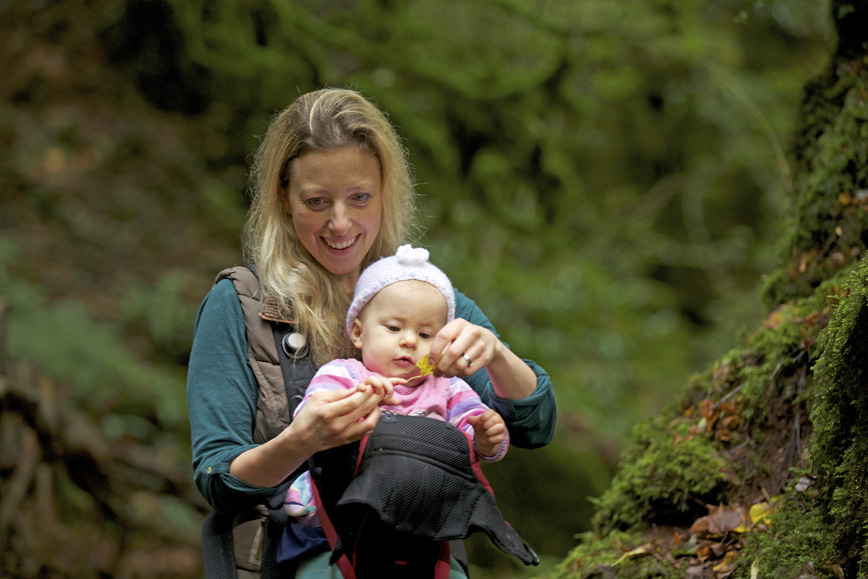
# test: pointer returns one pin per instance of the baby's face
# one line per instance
(397, 327)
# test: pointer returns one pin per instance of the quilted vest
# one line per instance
(272, 407)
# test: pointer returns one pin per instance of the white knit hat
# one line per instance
(407, 263)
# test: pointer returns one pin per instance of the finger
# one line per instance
(361, 429)
(481, 418)
(445, 336)
(354, 425)
(353, 407)
(495, 440)
(364, 389)
(492, 418)
(471, 348)
(496, 430)
(377, 389)
(388, 387)
(326, 396)
(448, 345)
(488, 414)
(368, 405)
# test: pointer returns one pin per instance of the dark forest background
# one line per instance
(608, 180)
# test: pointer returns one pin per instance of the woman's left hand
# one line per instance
(461, 348)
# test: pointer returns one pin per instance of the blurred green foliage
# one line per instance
(608, 180)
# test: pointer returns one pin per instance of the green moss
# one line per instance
(792, 546)
(618, 554)
(840, 446)
(829, 230)
(675, 463)
(662, 478)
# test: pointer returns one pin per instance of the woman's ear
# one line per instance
(356, 333)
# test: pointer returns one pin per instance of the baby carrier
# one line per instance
(375, 499)
(391, 504)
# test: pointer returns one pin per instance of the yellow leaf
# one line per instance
(761, 513)
(728, 563)
(425, 367)
(754, 569)
(638, 551)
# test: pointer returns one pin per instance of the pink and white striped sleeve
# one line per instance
(336, 375)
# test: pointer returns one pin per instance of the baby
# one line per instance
(399, 305)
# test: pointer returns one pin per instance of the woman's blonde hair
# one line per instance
(290, 277)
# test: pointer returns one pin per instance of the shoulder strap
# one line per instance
(297, 366)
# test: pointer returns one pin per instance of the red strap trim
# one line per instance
(331, 534)
(474, 463)
(362, 444)
(443, 567)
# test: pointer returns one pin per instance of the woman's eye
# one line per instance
(362, 197)
(316, 202)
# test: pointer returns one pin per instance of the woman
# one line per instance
(332, 193)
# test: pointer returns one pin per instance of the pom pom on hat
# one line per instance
(407, 263)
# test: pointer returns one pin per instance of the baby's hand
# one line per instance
(381, 387)
(490, 432)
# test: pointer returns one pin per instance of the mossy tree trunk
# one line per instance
(761, 468)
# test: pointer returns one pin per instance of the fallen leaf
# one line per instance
(761, 513)
(725, 519)
(777, 317)
(726, 566)
(700, 526)
(637, 552)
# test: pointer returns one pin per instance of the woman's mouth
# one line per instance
(340, 245)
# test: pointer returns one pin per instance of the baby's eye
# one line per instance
(393, 328)
(425, 335)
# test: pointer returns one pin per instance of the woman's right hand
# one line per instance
(329, 418)
(332, 418)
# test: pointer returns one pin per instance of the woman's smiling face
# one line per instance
(335, 198)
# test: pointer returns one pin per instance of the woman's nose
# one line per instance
(340, 219)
